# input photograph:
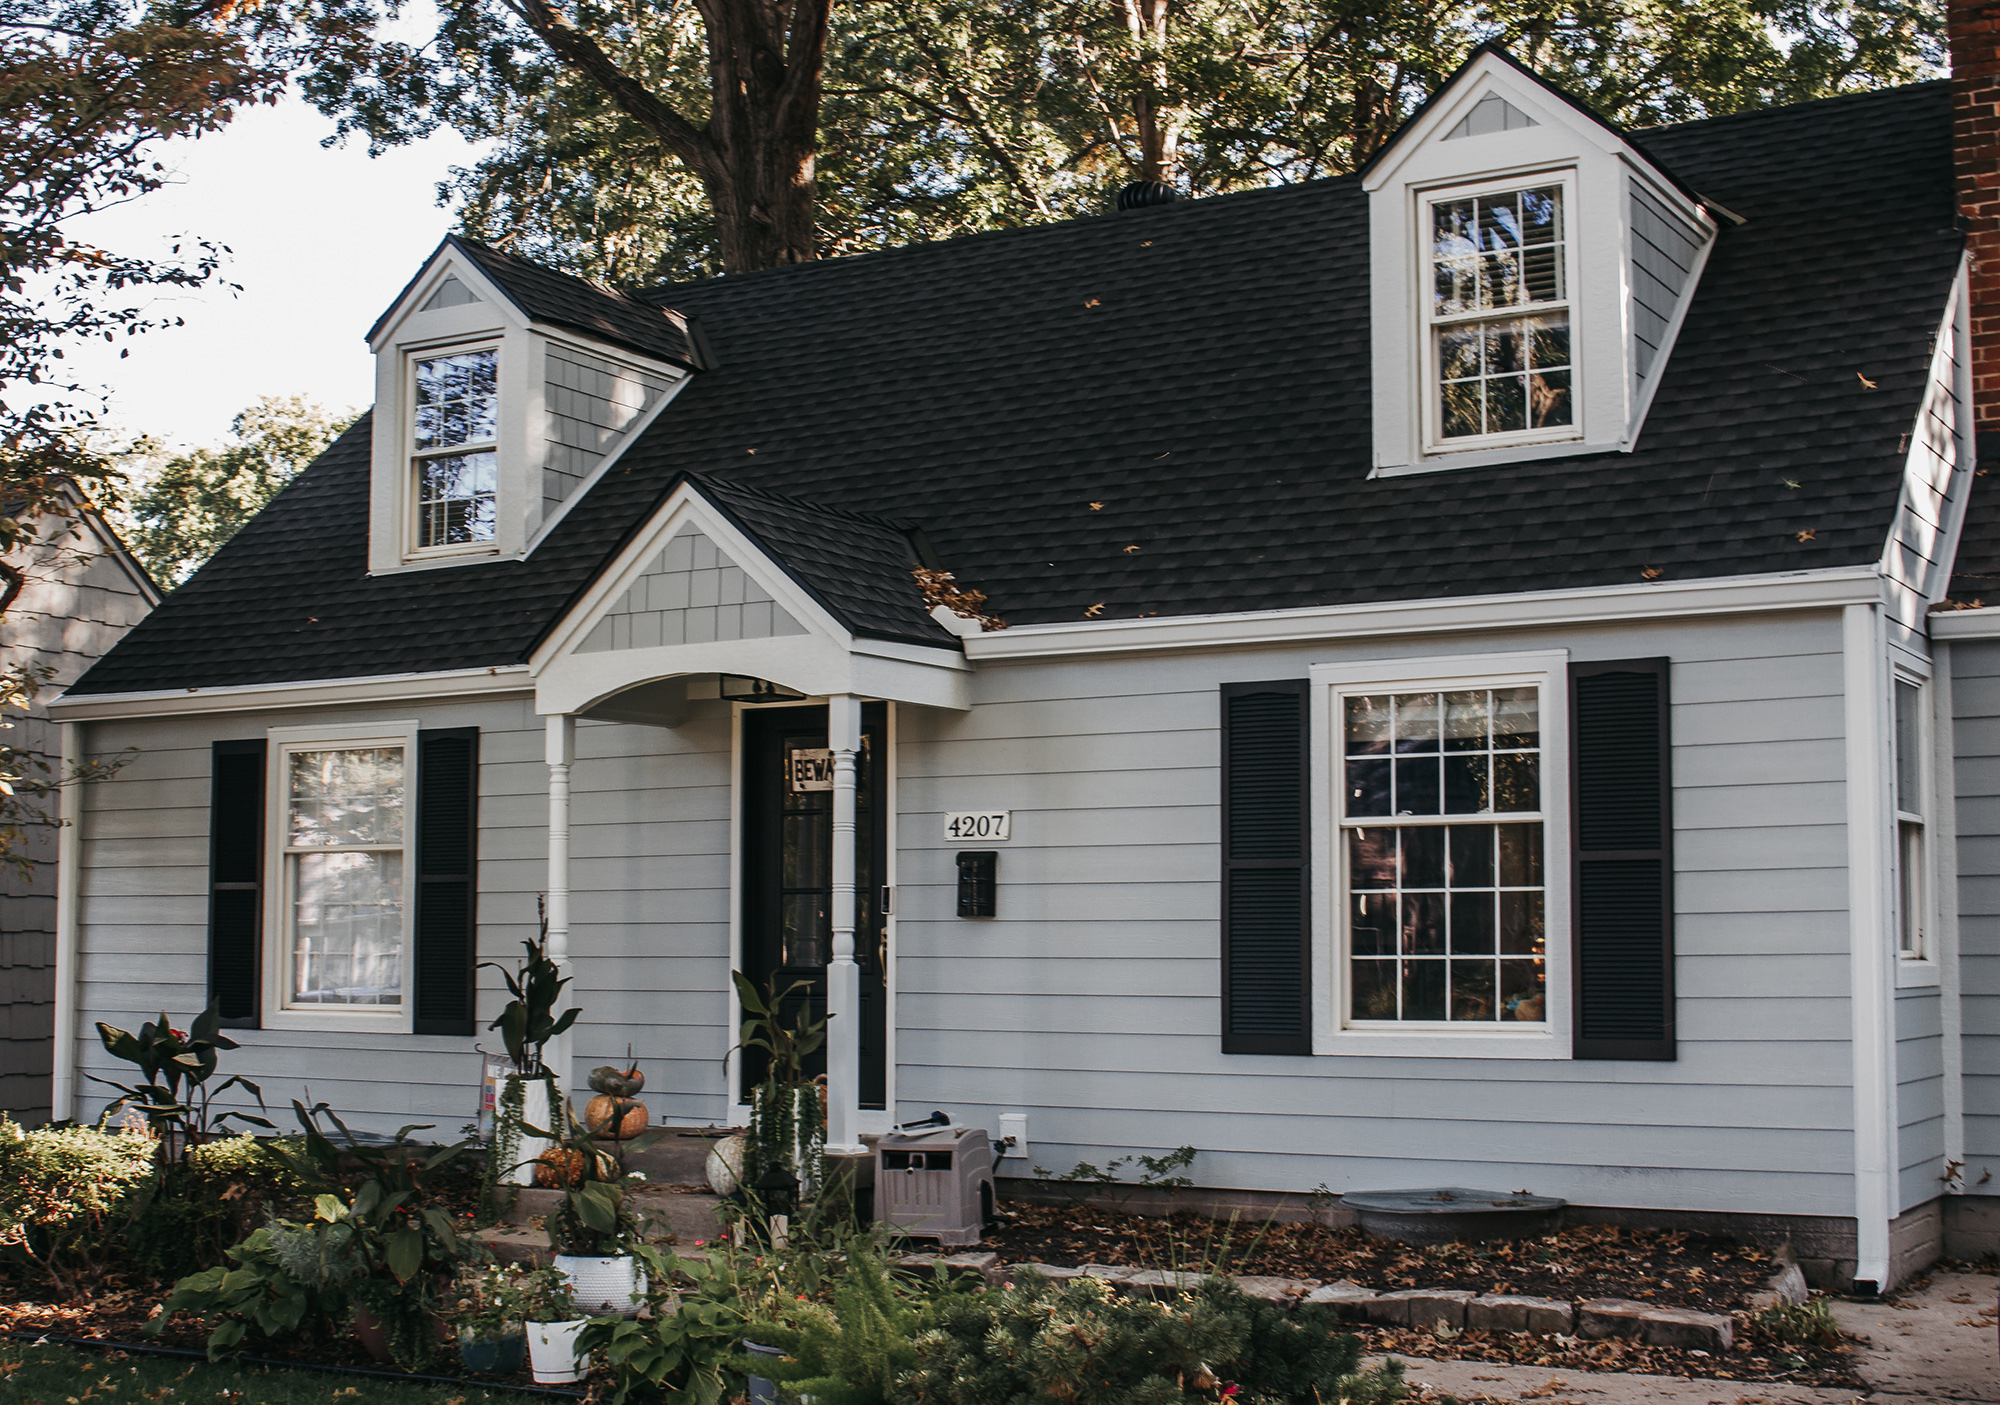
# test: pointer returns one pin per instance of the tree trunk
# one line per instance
(1156, 121)
(755, 155)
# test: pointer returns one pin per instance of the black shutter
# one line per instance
(1622, 862)
(236, 881)
(446, 890)
(1266, 870)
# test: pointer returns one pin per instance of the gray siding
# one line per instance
(1091, 1001)
(77, 603)
(1665, 250)
(691, 593)
(1919, 1095)
(1975, 672)
(591, 403)
(649, 926)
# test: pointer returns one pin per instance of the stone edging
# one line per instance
(1425, 1309)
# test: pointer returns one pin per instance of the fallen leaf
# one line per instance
(1094, 507)
(1866, 384)
(1807, 535)
(1145, 243)
(1091, 303)
(1130, 549)
(1791, 482)
(1651, 573)
(1094, 611)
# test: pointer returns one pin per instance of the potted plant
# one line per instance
(788, 1108)
(593, 1229)
(553, 1322)
(488, 1311)
(529, 1097)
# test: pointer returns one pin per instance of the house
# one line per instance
(79, 591)
(1472, 709)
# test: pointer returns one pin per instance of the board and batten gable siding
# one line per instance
(1937, 476)
(1091, 1001)
(649, 913)
(1975, 678)
(68, 615)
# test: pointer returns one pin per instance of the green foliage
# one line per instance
(64, 1191)
(176, 1066)
(686, 1349)
(529, 1021)
(493, 1302)
(1086, 1183)
(787, 1109)
(283, 1281)
(1037, 1343)
(1809, 1323)
(209, 1202)
(183, 507)
(851, 1352)
(545, 1297)
(786, 1042)
(55, 1373)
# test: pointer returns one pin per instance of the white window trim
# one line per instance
(1921, 969)
(277, 931)
(412, 507)
(1548, 670)
(1437, 449)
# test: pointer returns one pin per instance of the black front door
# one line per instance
(788, 871)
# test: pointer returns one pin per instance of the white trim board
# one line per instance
(321, 692)
(1791, 590)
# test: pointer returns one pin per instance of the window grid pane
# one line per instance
(1445, 918)
(1494, 253)
(456, 400)
(344, 830)
(456, 497)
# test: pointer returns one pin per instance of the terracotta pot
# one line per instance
(602, 1117)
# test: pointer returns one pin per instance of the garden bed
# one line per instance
(1666, 1269)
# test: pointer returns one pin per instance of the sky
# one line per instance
(321, 240)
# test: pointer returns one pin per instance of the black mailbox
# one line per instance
(976, 882)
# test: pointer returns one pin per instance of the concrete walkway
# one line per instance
(1935, 1346)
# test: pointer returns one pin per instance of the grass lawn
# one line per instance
(60, 1375)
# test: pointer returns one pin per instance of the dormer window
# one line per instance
(1496, 256)
(455, 449)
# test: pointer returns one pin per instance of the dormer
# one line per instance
(1530, 268)
(503, 391)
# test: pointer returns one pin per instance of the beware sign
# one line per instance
(809, 768)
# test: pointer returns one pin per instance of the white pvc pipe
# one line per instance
(843, 976)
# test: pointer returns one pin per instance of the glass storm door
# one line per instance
(788, 872)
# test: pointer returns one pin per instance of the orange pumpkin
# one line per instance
(614, 1118)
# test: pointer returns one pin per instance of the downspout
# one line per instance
(69, 890)
(1944, 875)
(1865, 656)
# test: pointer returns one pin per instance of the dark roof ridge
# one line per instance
(1747, 114)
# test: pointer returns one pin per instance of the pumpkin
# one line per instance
(558, 1168)
(616, 1118)
(616, 1082)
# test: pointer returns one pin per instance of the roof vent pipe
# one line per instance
(1139, 194)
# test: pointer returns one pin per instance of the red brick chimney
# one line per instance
(1975, 135)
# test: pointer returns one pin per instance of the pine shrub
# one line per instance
(1077, 1343)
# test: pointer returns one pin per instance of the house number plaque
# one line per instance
(979, 824)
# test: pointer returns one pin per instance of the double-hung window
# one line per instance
(1498, 314)
(1443, 865)
(455, 461)
(1913, 889)
(341, 908)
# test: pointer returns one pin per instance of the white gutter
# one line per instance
(1865, 668)
(1792, 590)
(1965, 624)
(386, 687)
(69, 889)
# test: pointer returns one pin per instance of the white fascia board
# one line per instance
(1965, 624)
(813, 664)
(260, 697)
(1794, 590)
(679, 376)
(500, 306)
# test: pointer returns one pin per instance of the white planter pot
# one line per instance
(552, 1352)
(604, 1287)
(535, 1112)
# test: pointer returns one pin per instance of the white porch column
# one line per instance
(69, 889)
(843, 976)
(561, 755)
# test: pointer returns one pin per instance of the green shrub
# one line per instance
(283, 1281)
(1038, 1343)
(64, 1192)
(1799, 1324)
(852, 1351)
(223, 1190)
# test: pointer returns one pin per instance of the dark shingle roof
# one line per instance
(1201, 371)
(563, 300)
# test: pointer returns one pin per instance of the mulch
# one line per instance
(1670, 1268)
